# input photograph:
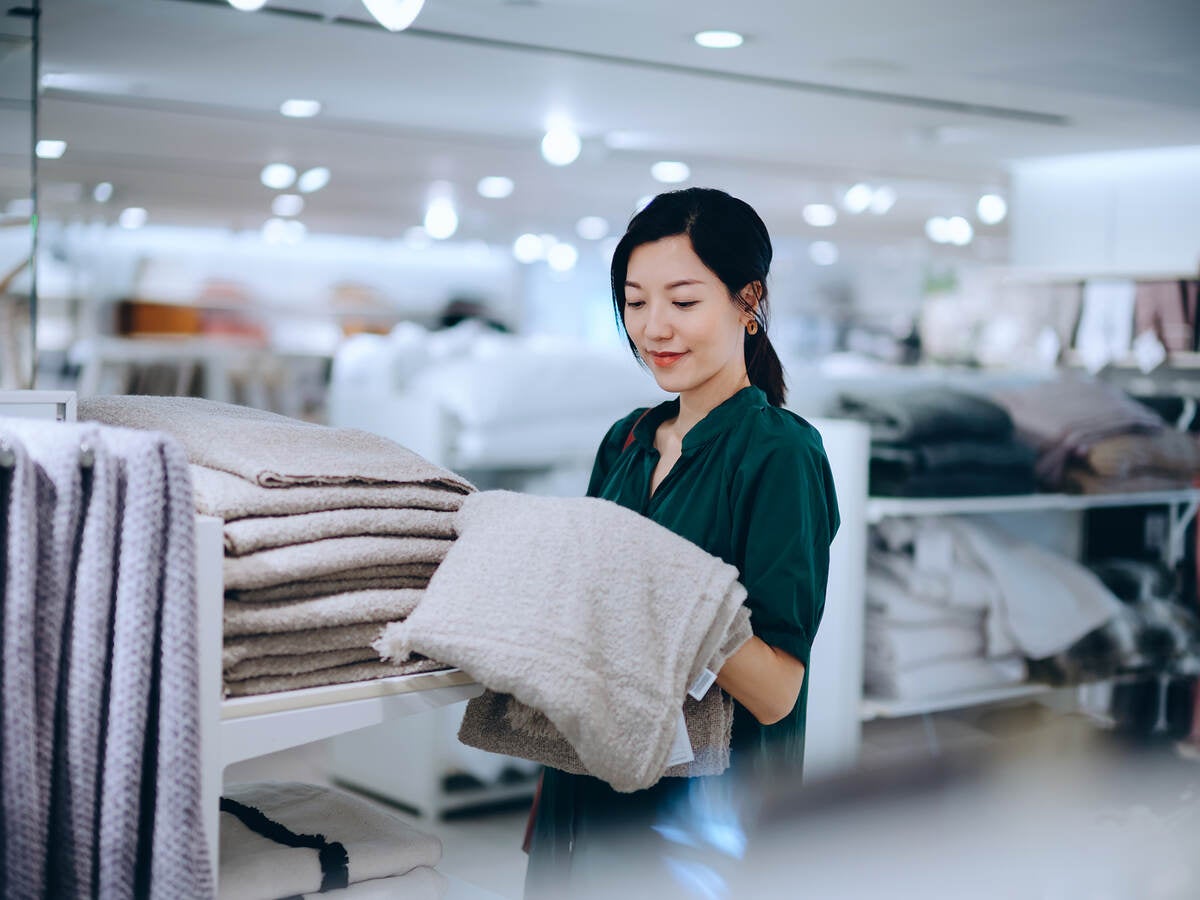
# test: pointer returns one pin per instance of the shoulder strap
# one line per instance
(629, 437)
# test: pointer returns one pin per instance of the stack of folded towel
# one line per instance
(329, 534)
(1092, 438)
(938, 442)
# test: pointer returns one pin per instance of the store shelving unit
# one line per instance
(879, 708)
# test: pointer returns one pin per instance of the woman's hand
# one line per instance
(763, 679)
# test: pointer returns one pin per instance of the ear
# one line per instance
(751, 294)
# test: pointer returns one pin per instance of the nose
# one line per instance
(658, 322)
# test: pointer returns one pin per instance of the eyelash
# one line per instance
(680, 304)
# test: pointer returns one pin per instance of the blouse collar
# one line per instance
(718, 420)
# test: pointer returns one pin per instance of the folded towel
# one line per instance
(258, 864)
(926, 414)
(332, 556)
(963, 588)
(382, 578)
(500, 724)
(269, 449)
(263, 533)
(295, 643)
(889, 601)
(890, 646)
(582, 609)
(1078, 480)
(422, 883)
(300, 664)
(231, 497)
(946, 677)
(1165, 452)
(353, 608)
(366, 671)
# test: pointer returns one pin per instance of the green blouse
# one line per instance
(752, 485)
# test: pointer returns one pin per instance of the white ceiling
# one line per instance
(176, 103)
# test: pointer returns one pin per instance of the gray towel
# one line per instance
(377, 843)
(24, 784)
(262, 533)
(380, 578)
(353, 608)
(332, 556)
(367, 671)
(293, 643)
(230, 497)
(586, 611)
(268, 449)
(262, 666)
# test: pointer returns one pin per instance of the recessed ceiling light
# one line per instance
(278, 176)
(670, 172)
(858, 198)
(287, 205)
(441, 219)
(991, 209)
(819, 215)
(592, 228)
(528, 248)
(50, 149)
(102, 192)
(247, 5)
(719, 40)
(313, 180)
(883, 200)
(495, 187)
(562, 257)
(959, 231)
(300, 109)
(561, 145)
(132, 218)
(394, 15)
(823, 253)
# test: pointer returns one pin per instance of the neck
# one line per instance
(697, 403)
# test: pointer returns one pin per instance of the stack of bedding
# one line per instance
(937, 442)
(329, 535)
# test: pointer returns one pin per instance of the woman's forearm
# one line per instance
(763, 679)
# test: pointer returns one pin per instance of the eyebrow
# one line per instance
(674, 284)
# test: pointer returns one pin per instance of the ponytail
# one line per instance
(764, 368)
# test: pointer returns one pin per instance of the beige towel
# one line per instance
(367, 671)
(332, 556)
(1079, 480)
(584, 610)
(406, 578)
(353, 608)
(230, 497)
(1166, 452)
(265, 532)
(268, 449)
(293, 643)
(297, 665)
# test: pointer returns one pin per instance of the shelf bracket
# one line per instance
(1179, 515)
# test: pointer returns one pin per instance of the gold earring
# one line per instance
(752, 327)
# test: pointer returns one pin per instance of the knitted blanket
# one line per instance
(583, 610)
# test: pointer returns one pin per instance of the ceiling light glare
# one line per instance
(562, 257)
(50, 149)
(561, 145)
(132, 218)
(937, 229)
(592, 228)
(248, 5)
(991, 209)
(287, 205)
(278, 176)
(495, 187)
(300, 109)
(823, 253)
(670, 172)
(313, 180)
(394, 15)
(643, 201)
(882, 200)
(441, 219)
(858, 198)
(719, 40)
(959, 231)
(528, 249)
(819, 215)
(102, 192)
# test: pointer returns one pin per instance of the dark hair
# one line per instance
(732, 241)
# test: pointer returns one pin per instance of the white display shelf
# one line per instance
(880, 508)
(457, 889)
(879, 708)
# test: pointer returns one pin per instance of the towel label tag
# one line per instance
(702, 683)
(681, 747)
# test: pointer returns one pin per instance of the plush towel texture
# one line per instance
(268, 449)
(231, 497)
(300, 664)
(330, 557)
(945, 677)
(904, 646)
(366, 671)
(377, 843)
(381, 578)
(353, 608)
(250, 535)
(295, 643)
(889, 600)
(582, 609)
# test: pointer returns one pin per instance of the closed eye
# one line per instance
(686, 304)
(634, 304)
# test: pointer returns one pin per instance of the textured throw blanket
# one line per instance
(352, 608)
(282, 839)
(268, 449)
(264, 533)
(330, 557)
(585, 611)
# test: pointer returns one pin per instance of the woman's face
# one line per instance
(679, 316)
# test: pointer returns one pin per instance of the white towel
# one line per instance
(945, 677)
(888, 598)
(377, 844)
(893, 646)
(588, 612)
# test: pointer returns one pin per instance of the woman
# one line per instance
(725, 466)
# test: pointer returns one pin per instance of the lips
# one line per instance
(664, 360)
